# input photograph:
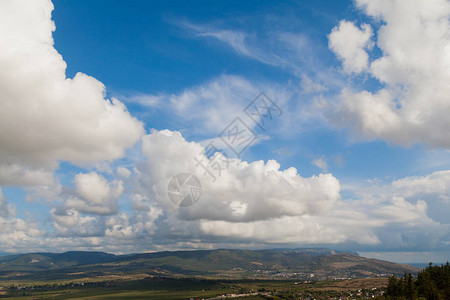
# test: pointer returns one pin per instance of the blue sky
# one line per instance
(103, 109)
(149, 48)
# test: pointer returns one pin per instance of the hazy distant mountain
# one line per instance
(225, 263)
(51, 261)
(4, 254)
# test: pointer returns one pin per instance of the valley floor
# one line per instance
(191, 288)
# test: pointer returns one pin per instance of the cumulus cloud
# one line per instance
(413, 103)
(46, 117)
(293, 230)
(141, 224)
(350, 43)
(400, 210)
(262, 188)
(435, 183)
(260, 203)
(19, 234)
(70, 222)
(94, 194)
(256, 203)
(411, 211)
(17, 174)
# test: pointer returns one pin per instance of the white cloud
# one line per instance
(140, 225)
(119, 227)
(241, 42)
(19, 234)
(435, 183)
(16, 174)
(320, 163)
(292, 230)
(261, 204)
(123, 172)
(209, 108)
(350, 44)
(411, 210)
(254, 203)
(400, 210)
(214, 104)
(309, 86)
(235, 39)
(292, 51)
(46, 117)
(413, 104)
(265, 190)
(69, 222)
(372, 115)
(94, 194)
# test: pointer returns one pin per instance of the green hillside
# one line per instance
(308, 264)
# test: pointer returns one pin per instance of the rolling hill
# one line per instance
(223, 263)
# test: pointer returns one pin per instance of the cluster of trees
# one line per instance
(433, 283)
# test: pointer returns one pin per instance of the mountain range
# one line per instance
(304, 263)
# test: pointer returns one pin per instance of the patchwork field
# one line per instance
(183, 288)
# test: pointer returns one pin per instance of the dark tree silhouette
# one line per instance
(432, 283)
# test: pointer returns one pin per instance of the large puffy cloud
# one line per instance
(414, 211)
(433, 188)
(243, 192)
(350, 43)
(259, 203)
(408, 226)
(392, 223)
(94, 194)
(399, 210)
(325, 229)
(413, 104)
(46, 117)
(254, 203)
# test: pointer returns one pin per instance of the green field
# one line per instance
(184, 288)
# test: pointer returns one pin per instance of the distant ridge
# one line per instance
(309, 263)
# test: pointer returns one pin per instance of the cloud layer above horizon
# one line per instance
(100, 177)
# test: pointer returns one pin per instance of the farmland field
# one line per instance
(183, 288)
